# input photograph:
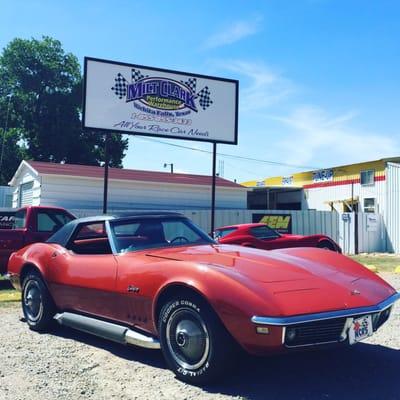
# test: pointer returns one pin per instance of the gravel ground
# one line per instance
(70, 365)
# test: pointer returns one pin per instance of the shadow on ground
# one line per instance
(153, 358)
(364, 371)
(5, 285)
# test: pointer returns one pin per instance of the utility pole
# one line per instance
(106, 165)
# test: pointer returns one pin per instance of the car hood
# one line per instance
(302, 280)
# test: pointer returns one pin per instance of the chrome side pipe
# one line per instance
(107, 330)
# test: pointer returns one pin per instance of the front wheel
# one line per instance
(195, 344)
(37, 304)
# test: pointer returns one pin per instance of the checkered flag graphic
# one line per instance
(191, 83)
(119, 87)
(204, 98)
(137, 75)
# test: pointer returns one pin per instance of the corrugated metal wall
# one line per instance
(303, 222)
(339, 226)
(319, 198)
(86, 193)
(392, 214)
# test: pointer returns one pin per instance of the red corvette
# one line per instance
(261, 236)
(156, 280)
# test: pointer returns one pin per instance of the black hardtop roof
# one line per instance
(128, 215)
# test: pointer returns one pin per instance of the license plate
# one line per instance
(360, 329)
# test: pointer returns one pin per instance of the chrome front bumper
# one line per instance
(350, 312)
(326, 327)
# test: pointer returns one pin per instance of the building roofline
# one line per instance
(23, 164)
(385, 160)
(117, 174)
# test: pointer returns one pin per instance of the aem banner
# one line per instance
(157, 102)
(282, 223)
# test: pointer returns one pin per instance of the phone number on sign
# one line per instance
(156, 118)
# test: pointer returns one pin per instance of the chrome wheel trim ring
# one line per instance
(32, 300)
(185, 332)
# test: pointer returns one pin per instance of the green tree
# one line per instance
(11, 154)
(45, 108)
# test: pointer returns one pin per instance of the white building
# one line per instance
(368, 187)
(80, 187)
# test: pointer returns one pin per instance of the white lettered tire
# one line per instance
(37, 305)
(195, 344)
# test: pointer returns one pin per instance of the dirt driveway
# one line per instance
(70, 365)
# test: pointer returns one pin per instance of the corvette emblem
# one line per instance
(133, 289)
(355, 292)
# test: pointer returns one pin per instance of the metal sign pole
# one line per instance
(106, 163)
(213, 187)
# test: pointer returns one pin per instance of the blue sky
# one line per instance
(319, 79)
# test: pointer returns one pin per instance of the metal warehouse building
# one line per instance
(80, 187)
(370, 187)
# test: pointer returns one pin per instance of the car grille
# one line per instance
(311, 333)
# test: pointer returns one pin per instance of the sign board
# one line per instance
(287, 180)
(147, 101)
(323, 175)
(346, 217)
(282, 223)
(7, 219)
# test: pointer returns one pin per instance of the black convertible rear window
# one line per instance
(263, 232)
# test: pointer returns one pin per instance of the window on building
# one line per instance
(367, 177)
(369, 205)
(25, 194)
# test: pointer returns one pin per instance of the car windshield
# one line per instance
(139, 234)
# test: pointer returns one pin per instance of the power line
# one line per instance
(269, 162)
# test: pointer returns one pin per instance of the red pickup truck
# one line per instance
(20, 227)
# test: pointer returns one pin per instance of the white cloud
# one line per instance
(324, 140)
(274, 114)
(262, 86)
(236, 31)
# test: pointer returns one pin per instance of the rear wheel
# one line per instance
(325, 245)
(195, 344)
(37, 304)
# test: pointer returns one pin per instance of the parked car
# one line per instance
(156, 280)
(28, 225)
(261, 236)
